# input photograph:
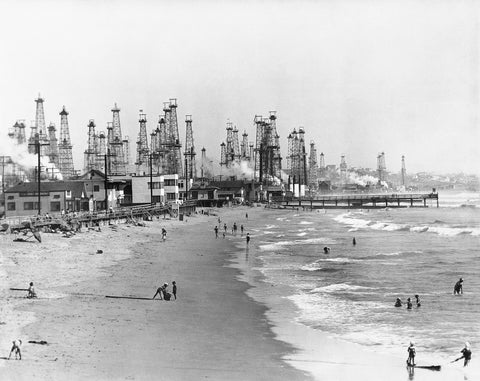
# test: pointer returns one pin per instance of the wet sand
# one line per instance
(213, 331)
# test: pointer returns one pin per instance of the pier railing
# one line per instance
(361, 200)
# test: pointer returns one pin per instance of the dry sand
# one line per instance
(213, 331)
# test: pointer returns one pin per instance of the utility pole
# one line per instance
(36, 143)
(106, 178)
(3, 184)
(151, 180)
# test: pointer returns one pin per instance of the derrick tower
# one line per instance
(322, 170)
(404, 171)
(244, 151)
(343, 170)
(40, 128)
(190, 164)
(65, 157)
(203, 165)
(53, 147)
(267, 149)
(381, 168)
(173, 145)
(126, 151)
(230, 153)
(90, 154)
(143, 153)
(236, 146)
(223, 155)
(296, 156)
(313, 167)
(116, 145)
(101, 151)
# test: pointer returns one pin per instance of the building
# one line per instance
(22, 199)
(205, 195)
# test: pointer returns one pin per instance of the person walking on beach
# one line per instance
(354, 242)
(174, 289)
(216, 231)
(248, 239)
(164, 234)
(16, 349)
(409, 304)
(225, 227)
(235, 228)
(411, 354)
(458, 288)
(31, 291)
(241, 229)
(466, 354)
(417, 299)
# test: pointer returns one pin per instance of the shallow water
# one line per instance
(350, 292)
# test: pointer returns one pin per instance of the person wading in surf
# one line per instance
(411, 354)
(458, 288)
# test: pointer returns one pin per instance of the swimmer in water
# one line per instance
(398, 302)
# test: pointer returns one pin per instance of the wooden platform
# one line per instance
(394, 200)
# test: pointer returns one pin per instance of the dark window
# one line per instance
(10, 206)
(30, 205)
(55, 206)
(171, 196)
(195, 195)
(157, 199)
(96, 188)
(170, 182)
(156, 185)
(56, 196)
(10, 197)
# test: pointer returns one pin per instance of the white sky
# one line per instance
(360, 76)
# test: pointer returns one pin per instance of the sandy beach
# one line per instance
(213, 331)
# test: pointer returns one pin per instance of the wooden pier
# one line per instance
(366, 201)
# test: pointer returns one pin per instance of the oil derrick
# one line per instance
(313, 167)
(223, 155)
(53, 147)
(275, 139)
(381, 168)
(100, 151)
(190, 164)
(39, 128)
(230, 153)
(343, 170)
(126, 151)
(203, 165)
(322, 170)
(296, 161)
(267, 149)
(90, 154)
(404, 171)
(116, 145)
(244, 152)
(251, 154)
(143, 153)
(161, 152)
(173, 145)
(65, 158)
(236, 146)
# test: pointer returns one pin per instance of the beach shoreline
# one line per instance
(214, 330)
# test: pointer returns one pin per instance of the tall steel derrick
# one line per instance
(244, 148)
(115, 144)
(173, 145)
(404, 171)
(322, 171)
(223, 155)
(65, 158)
(101, 151)
(381, 167)
(267, 149)
(53, 144)
(296, 160)
(190, 163)
(143, 153)
(313, 167)
(343, 170)
(90, 154)
(39, 128)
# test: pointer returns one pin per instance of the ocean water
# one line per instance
(350, 292)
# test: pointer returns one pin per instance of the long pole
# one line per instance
(106, 183)
(37, 146)
(3, 182)
(151, 180)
